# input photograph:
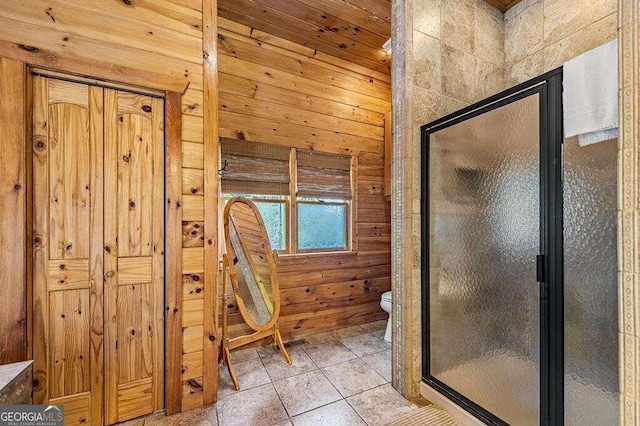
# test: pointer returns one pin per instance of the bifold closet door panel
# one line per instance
(133, 254)
(68, 245)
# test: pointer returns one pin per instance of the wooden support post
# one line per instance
(211, 165)
(173, 253)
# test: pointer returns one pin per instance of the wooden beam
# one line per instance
(13, 315)
(173, 252)
(28, 99)
(211, 160)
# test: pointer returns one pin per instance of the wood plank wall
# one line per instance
(276, 91)
(149, 43)
(272, 90)
(13, 315)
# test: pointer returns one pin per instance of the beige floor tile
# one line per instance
(381, 362)
(242, 355)
(379, 334)
(364, 344)
(328, 353)
(305, 392)
(337, 413)
(314, 339)
(374, 326)
(136, 422)
(278, 368)
(348, 332)
(204, 416)
(380, 405)
(249, 373)
(257, 406)
(353, 377)
(268, 350)
(376, 329)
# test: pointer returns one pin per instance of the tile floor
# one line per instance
(337, 378)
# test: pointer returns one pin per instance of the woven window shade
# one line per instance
(254, 168)
(323, 175)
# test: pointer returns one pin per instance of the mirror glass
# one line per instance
(250, 251)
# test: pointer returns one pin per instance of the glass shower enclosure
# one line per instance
(519, 262)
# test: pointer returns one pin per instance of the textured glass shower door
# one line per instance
(591, 381)
(485, 233)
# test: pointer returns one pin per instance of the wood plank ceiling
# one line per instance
(503, 5)
(353, 30)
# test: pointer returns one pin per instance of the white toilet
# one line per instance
(385, 303)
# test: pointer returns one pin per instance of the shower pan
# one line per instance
(519, 265)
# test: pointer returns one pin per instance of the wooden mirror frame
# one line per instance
(261, 331)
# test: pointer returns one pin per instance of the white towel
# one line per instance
(590, 95)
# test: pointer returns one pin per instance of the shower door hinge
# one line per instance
(540, 268)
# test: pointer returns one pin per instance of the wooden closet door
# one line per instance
(133, 254)
(67, 247)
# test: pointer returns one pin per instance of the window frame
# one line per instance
(287, 211)
(291, 210)
(347, 221)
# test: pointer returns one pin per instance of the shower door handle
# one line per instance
(540, 268)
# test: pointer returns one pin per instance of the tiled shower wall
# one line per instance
(544, 34)
(457, 55)
(447, 54)
(629, 208)
(450, 53)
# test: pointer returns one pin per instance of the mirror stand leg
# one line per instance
(281, 345)
(227, 359)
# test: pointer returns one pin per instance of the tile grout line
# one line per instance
(359, 393)
(342, 398)
(271, 382)
(345, 398)
(316, 366)
(283, 406)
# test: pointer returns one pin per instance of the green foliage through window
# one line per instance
(274, 215)
(322, 226)
(303, 196)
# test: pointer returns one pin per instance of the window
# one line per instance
(274, 215)
(322, 225)
(304, 196)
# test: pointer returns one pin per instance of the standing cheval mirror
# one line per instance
(252, 269)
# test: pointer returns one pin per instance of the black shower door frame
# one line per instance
(550, 275)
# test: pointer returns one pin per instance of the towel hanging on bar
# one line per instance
(590, 95)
